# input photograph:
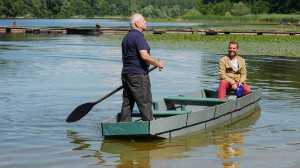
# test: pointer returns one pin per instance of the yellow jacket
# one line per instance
(227, 72)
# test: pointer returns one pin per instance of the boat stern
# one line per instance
(125, 128)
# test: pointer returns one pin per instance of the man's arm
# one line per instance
(149, 59)
(243, 72)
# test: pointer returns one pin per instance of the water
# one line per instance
(91, 23)
(44, 77)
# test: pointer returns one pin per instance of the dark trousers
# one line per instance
(137, 88)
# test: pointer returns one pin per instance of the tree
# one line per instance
(18, 8)
(37, 7)
(153, 8)
(134, 7)
(259, 7)
(285, 7)
(81, 8)
(240, 9)
(222, 7)
(163, 12)
(66, 10)
(53, 7)
(175, 11)
(101, 8)
(147, 11)
(192, 12)
(2, 8)
(201, 7)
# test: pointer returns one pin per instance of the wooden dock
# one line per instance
(120, 31)
(17, 30)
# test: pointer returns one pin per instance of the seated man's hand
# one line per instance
(234, 87)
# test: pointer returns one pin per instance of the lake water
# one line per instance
(44, 77)
(92, 23)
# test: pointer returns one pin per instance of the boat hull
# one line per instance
(84, 31)
(200, 115)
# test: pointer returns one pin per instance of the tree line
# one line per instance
(244, 7)
(153, 8)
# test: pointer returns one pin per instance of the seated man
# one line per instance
(232, 71)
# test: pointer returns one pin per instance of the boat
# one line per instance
(184, 114)
(84, 31)
(159, 31)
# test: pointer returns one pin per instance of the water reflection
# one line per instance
(137, 152)
(230, 164)
(226, 147)
(85, 144)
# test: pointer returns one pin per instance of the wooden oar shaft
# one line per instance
(119, 88)
(109, 94)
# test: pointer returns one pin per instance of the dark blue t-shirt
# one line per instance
(132, 43)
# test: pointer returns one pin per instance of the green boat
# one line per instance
(183, 114)
(159, 31)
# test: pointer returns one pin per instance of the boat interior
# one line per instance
(182, 104)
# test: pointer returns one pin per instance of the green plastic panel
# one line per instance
(125, 128)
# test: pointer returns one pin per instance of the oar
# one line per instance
(83, 109)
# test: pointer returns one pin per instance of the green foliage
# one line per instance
(228, 14)
(175, 11)
(240, 9)
(148, 11)
(202, 8)
(278, 17)
(244, 7)
(273, 18)
(259, 7)
(81, 8)
(248, 44)
(192, 12)
(37, 8)
(284, 7)
(151, 9)
(101, 8)
(2, 6)
(222, 7)
(66, 10)
(91, 8)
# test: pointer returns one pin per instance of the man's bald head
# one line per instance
(134, 18)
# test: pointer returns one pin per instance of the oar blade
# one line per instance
(80, 112)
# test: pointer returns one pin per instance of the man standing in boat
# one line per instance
(136, 61)
(232, 71)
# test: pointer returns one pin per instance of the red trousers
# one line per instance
(226, 87)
